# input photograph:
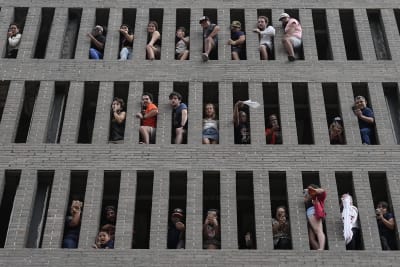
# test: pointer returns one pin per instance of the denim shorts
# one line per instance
(310, 212)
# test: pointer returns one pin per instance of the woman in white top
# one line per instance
(14, 39)
(210, 125)
(266, 35)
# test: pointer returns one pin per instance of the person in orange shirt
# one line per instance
(148, 117)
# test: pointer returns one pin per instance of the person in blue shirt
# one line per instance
(237, 40)
(179, 116)
(366, 119)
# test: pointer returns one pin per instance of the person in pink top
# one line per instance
(293, 34)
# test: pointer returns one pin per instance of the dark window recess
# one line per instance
(271, 103)
(238, 14)
(4, 86)
(213, 15)
(345, 185)
(397, 17)
(57, 112)
(30, 94)
(11, 183)
(303, 114)
(381, 192)
(177, 199)
(361, 89)
(20, 14)
(392, 97)
(379, 39)
(71, 33)
(211, 195)
(268, 13)
(183, 20)
(183, 89)
(332, 105)
(40, 208)
(294, 13)
(77, 190)
(313, 178)
(44, 32)
(88, 112)
(279, 198)
(102, 15)
(112, 181)
(350, 35)
(142, 220)
(241, 92)
(322, 34)
(245, 210)
(128, 18)
(121, 90)
(157, 15)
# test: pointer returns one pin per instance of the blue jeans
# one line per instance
(126, 53)
(70, 242)
(366, 135)
(95, 54)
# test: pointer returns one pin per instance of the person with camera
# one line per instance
(366, 119)
(314, 199)
(97, 41)
(13, 40)
(118, 116)
(273, 132)
(211, 231)
(125, 42)
(148, 119)
(386, 226)
(73, 225)
(281, 229)
(176, 230)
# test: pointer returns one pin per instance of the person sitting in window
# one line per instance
(210, 125)
(366, 119)
(72, 225)
(148, 119)
(237, 41)
(386, 226)
(351, 225)
(336, 133)
(126, 42)
(118, 116)
(314, 198)
(281, 229)
(292, 39)
(13, 40)
(176, 230)
(273, 132)
(103, 241)
(266, 35)
(241, 124)
(210, 36)
(97, 41)
(153, 48)
(211, 231)
(181, 44)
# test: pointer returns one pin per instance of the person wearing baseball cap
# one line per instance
(210, 36)
(176, 230)
(97, 41)
(293, 34)
(237, 40)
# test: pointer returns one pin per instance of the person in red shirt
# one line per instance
(148, 117)
(273, 132)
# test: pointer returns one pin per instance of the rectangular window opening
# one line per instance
(128, 18)
(71, 33)
(211, 206)
(246, 222)
(241, 113)
(379, 39)
(361, 89)
(381, 193)
(279, 202)
(238, 15)
(183, 89)
(157, 15)
(303, 114)
(77, 192)
(392, 98)
(309, 178)
(57, 112)
(44, 32)
(397, 17)
(334, 118)
(4, 86)
(20, 14)
(112, 181)
(40, 208)
(273, 133)
(142, 220)
(350, 35)
(88, 112)
(210, 125)
(177, 200)
(321, 31)
(345, 185)
(212, 14)
(30, 93)
(117, 130)
(11, 183)
(182, 20)
(268, 13)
